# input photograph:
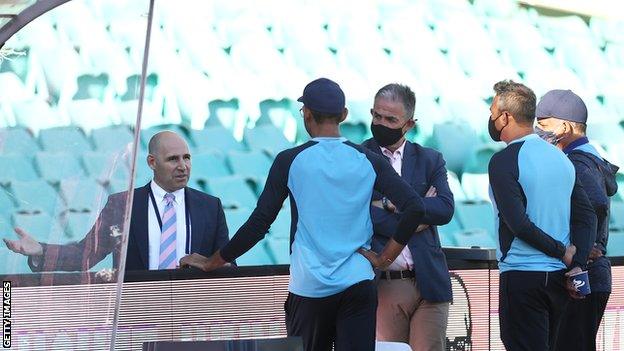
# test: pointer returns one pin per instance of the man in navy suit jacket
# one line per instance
(415, 291)
(201, 225)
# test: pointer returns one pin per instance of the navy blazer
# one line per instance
(422, 168)
(208, 233)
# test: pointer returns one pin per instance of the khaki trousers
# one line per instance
(403, 316)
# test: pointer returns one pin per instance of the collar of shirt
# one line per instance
(159, 194)
(340, 138)
(576, 143)
(398, 153)
(526, 137)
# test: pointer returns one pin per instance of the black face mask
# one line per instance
(385, 136)
(495, 134)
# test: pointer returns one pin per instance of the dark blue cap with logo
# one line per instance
(323, 95)
(562, 104)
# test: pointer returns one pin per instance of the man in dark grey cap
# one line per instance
(332, 300)
(561, 118)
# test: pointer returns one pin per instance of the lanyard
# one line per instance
(187, 215)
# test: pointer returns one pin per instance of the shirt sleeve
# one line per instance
(439, 208)
(509, 197)
(583, 222)
(589, 179)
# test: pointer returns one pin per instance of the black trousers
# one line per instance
(345, 320)
(530, 307)
(581, 321)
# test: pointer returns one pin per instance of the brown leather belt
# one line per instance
(389, 275)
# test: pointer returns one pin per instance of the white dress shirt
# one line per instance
(404, 261)
(154, 229)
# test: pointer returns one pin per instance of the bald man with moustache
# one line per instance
(169, 220)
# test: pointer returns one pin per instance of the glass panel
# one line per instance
(68, 110)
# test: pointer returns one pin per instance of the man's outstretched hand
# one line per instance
(25, 245)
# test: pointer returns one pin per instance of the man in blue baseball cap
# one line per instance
(332, 301)
(561, 119)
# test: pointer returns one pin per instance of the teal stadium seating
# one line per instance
(68, 102)
(55, 167)
(36, 195)
(16, 168)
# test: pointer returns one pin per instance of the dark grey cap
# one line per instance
(562, 104)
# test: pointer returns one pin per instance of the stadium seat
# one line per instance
(207, 165)
(89, 113)
(78, 224)
(233, 192)
(280, 229)
(277, 112)
(479, 160)
(152, 114)
(6, 226)
(267, 138)
(615, 246)
(279, 250)
(355, 132)
(106, 263)
(455, 141)
(83, 194)
(604, 132)
(256, 256)
(119, 185)
(476, 186)
(18, 141)
(20, 65)
(617, 215)
(112, 138)
(40, 226)
(13, 263)
(36, 195)
(6, 202)
(223, 113)
(16, 167)
(455, 186)
(476, 215)
(447, 232)
(235, 218)
(54, 167)
(143, 172)
(104, 167)
(215, 138)
(12, 88)
(36, 114)
(64, 139)
(253, 165)
(474, 238)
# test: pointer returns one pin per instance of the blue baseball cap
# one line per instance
(562, 104)
(323, 95)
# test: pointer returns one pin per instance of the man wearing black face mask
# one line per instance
(561, 118)
(415, 292)
(545, 223)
